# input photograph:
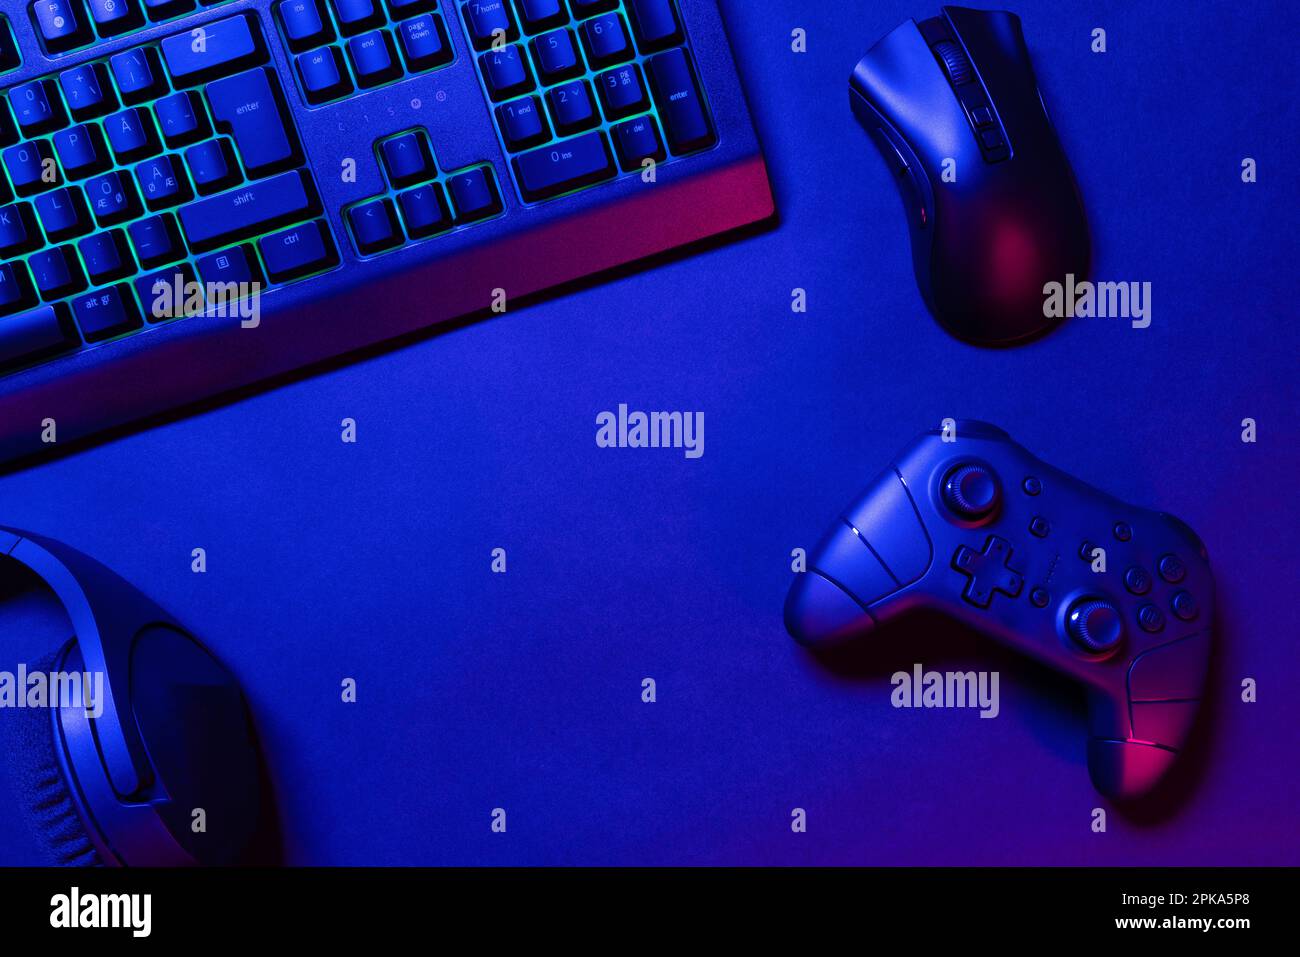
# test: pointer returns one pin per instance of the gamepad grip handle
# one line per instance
(877, 549)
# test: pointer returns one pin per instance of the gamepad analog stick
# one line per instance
(1095, 624)
(971, 491)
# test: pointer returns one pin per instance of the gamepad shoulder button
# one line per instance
(1095, 625)
(971, 491)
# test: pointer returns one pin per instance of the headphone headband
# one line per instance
(106, 613)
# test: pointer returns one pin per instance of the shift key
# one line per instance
(250, 106)
(249, 210)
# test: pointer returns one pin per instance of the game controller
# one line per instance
(966, 521)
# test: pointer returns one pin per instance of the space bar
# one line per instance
(251, 209)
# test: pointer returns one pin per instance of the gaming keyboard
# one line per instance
(198, 195)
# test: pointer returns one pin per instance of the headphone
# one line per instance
(167, 773)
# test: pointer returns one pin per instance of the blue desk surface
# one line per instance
(523, 691)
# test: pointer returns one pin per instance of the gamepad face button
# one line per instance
(988, 571)
(1031, 485)
(1137, 581)
(1123, 531)
(1085, 550)
(1172, 569)
(971, 492)
(1185, 606)
(1095, 625)
(1040, 597)
(1039, 527)
(1151, 618)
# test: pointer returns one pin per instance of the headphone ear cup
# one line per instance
(43, 790)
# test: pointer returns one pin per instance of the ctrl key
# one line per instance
(34, 334)
(298, 252)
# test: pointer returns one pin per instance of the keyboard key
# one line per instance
(60, 25)
(506, 73)
(10, 57)
(137, 74)
(57, 272)
(170, 293)
(323, 76)
(218, 49)
(673, 80)
(31, 167)
(19, 232)
(556, 56)
(407, 159)
(16, 291)
(237, 265)
(655, 24)
(115, 17)
(374, 61)
(298, 252)
(37, 107)
(156, 240)
(405, 8)
(621, 91)
(571, 107)
(474, 194)
(107, 256)
(112, 197)
(212, 165)
(424, 210)
(250, 106)
(248, 210)
(587, 8)
(106, 313)
(181, 118)
(541, 14)
(63, 214)
(162, 182)
(606, 41)
(374, 226)
(562, 167)
(132, 134)
(637, 141)
(166, 9)
(424, 43)
(30, 335)
(8, 128)
(303, 24)
(354, 16)
(487, 20)
(87, 91)
(82, 150)
(522, 123)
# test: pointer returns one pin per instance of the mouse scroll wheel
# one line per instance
(955, 62)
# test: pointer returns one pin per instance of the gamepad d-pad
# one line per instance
(968, 522)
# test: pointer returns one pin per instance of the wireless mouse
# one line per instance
(991, 201)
